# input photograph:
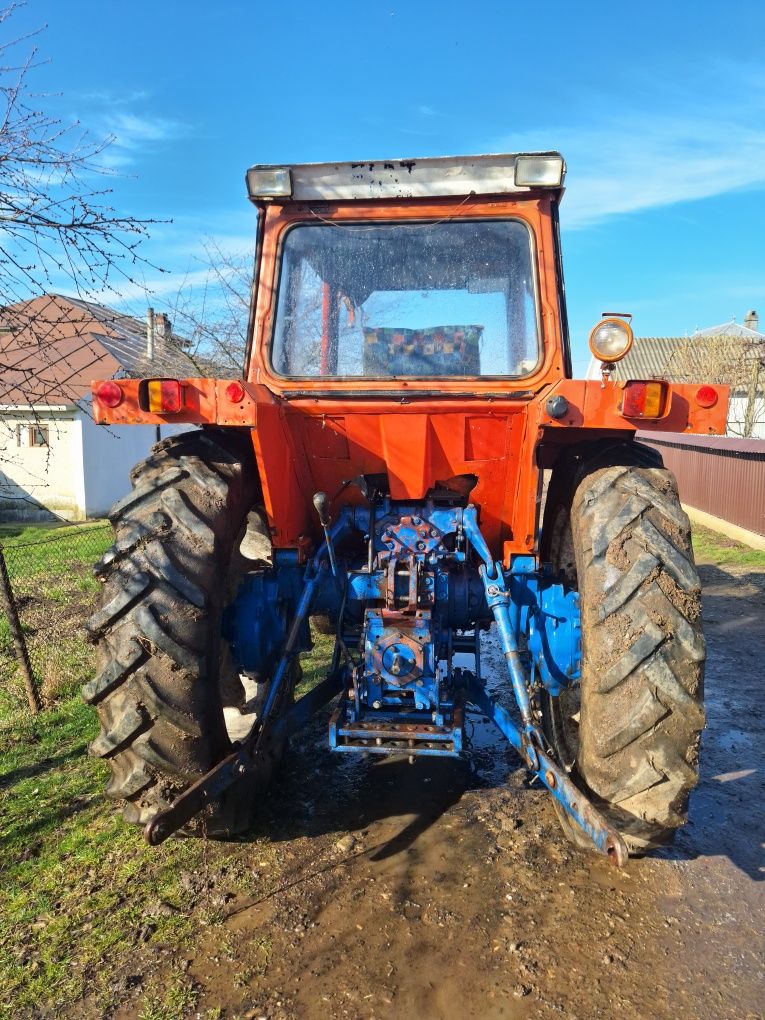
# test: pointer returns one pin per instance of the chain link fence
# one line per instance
(47, 592)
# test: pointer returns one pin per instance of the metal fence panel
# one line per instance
(718, 474)
(54, 592)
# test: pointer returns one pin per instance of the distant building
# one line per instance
(55, 463)
(730, 353)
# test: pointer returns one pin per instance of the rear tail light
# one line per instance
(643, 399)
(706, 396)
(235, 392)
(161, 396)
(109, 393)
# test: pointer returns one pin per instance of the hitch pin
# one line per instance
(321, 505)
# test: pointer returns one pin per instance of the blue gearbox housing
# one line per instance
(407, 613)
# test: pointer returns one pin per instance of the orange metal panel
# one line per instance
(200, 400)
(417, 451)
(319, 433)
(597, 405)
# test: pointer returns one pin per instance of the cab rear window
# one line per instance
(407, 300)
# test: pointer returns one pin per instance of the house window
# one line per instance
(38, 435)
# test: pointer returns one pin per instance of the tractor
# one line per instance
(406, 463)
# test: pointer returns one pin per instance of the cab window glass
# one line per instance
(407, 300)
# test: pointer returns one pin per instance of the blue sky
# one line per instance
(659, 109)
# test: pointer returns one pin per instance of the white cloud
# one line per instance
(131, 295)
(669, 148)
(132, 134)
(127, 127)
(132, 130)
(110, 98)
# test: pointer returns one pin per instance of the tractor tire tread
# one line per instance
(641, 709)
(641, 607)
(155, 690)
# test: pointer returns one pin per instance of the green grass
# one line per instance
(47, 549)
(81, 894)
(712, 547)
(82, 898)
(175, 1002)
(75, 881)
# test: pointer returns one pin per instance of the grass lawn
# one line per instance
(84, 903)
(82, 897)
(721, 551)
(31, 550)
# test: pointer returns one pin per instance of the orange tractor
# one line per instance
(380, 468)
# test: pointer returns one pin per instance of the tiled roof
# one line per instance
(731, 328)
(53, 346)
(124, 337)
(656, 357)
(684, 358)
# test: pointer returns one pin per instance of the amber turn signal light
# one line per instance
(643, 399)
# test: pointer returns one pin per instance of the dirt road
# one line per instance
(444, 891)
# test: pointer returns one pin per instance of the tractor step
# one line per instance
(389, 734)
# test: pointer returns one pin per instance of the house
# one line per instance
(55, 462)
(729, 353)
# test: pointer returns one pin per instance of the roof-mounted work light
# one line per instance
(269, 182)
(539, 171)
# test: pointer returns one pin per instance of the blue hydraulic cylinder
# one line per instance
(498, 598)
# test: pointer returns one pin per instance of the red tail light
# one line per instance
(643, 399)
(235, 392)
(109, 393)
(706, 396)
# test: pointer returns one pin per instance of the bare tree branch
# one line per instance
(213, 314)
(60, 232)
(731, 360)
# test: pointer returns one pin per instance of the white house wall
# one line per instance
(109, 452)
(40, 483)
(79, 475)
(737, 417)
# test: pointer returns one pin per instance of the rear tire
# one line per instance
(167, 578)
(618, 534)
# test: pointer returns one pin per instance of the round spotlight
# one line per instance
(611, 339)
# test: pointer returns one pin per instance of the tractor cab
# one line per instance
(412, 270)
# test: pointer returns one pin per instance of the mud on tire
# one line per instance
(157, 631)
(618, 533)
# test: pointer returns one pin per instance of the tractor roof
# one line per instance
(442, 176)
